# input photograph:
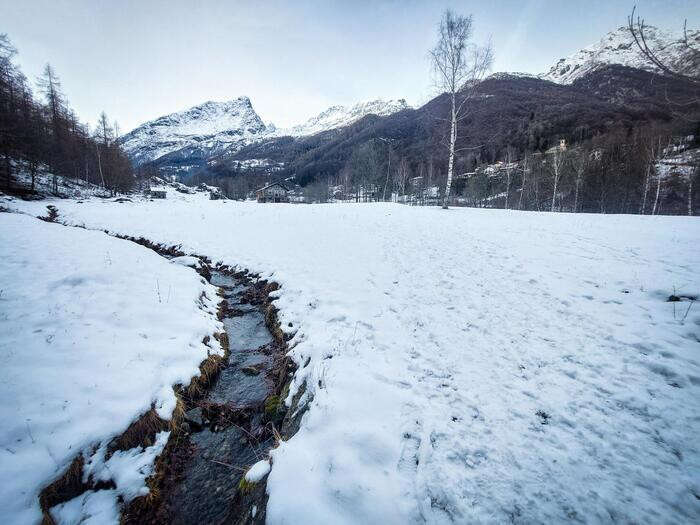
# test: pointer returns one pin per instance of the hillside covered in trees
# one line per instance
(40, 133)
(615, 117)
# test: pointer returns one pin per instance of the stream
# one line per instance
(228, 425)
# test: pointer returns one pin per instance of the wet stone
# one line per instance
(195, 416)
(219, 458)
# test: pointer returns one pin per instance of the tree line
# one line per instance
(626, 168)
(43, 133)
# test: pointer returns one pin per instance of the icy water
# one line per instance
(223, 449)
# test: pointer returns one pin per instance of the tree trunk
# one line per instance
(554, 192)
(643, 207)
(451, 160)
(690, 194)
(99, 164)
(386, 182)
(578, 185)
(658, 190)
(8, 171)
(507, 186)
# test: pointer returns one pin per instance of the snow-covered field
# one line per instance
(93, 332)
(466, 365)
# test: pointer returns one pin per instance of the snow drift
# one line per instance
(469, 365)
(94, 331)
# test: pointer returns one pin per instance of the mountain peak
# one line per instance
(210, 128)
(339, 116)
(619, 47)
(211, 125)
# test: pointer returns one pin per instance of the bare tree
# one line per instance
(104, 129)
(691, 176)
(557, 167)
(526, 167)
(580, 162)
(650, 153)
(390, 152)
(683, 71)
(654, 148)
(459, 66)
(402, 175)
(509, 159)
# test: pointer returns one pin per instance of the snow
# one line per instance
(91, 508)
(214, 127)
(93, 332)
(187, 260)
(127, 468)
(340, 116)
(618, 47)
(44, 183)
(258, 471)
(468, 365)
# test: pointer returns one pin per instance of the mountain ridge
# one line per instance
(618, 47)
(209, 133)
(212, 128)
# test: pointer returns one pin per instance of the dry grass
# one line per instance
(273, 324)
(208, 371)
(141, 433)
(66, 487)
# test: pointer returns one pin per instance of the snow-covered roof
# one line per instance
(285, 188)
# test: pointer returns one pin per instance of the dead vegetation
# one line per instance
(169, 466)
(51, 214)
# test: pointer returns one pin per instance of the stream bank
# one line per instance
(234, 421)
(227, 419)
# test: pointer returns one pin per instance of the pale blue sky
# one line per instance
(141, 59)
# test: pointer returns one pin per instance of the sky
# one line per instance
(138, 60)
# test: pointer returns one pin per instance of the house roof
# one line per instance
(274, 184)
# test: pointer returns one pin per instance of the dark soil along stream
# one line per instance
(232, 416)
(228, 427)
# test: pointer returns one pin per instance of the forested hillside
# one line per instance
(615, 120)
(41, 133)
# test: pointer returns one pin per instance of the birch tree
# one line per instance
(557, 167)
(459, 65)
(691, 176)
(509, 159)
(653, 150)
(402, 175)
(580, 161)
(527, 163)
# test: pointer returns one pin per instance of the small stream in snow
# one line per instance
(227, 426)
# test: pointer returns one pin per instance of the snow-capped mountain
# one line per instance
(618, 47)
(340, 116)
(188, 138)
(206, 129)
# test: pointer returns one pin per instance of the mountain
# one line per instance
(341, 116)
(201, 131)
(188, 140)
(618, 47)
(526, 112)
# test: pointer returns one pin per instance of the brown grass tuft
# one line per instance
(273, 324)
(141, 433)
(66, 487)
(209, 370)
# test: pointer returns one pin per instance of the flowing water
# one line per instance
(228, 441)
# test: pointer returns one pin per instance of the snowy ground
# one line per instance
(93, 331)
(467, 365)
(44, 184)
